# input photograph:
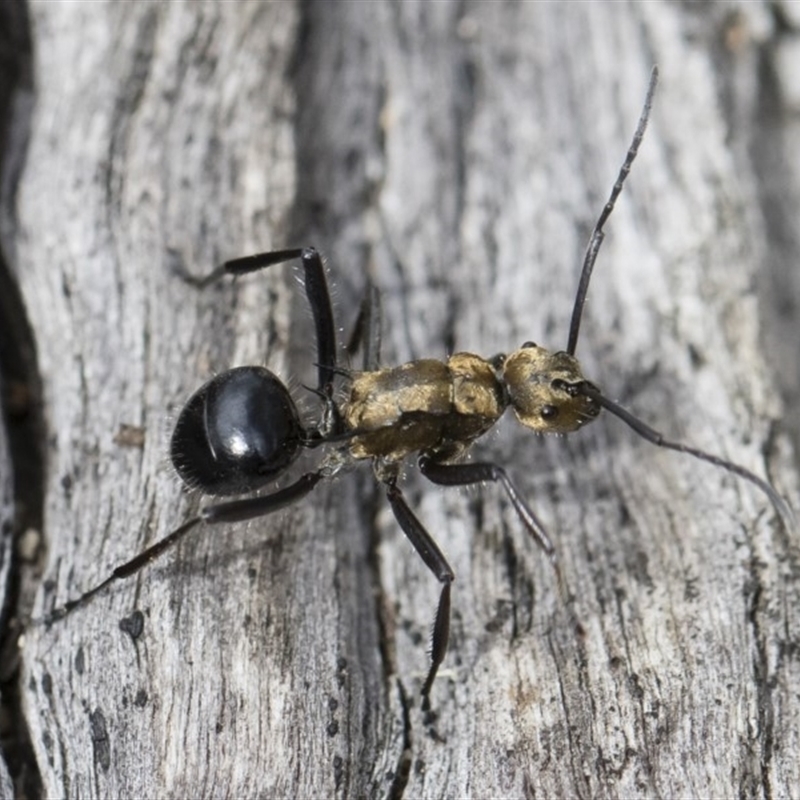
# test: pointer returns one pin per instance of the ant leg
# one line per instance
(316, 290)
(466, 474)
(319, 299)
(436, 562)
(236, 266)
(367, 330)
(233, 511)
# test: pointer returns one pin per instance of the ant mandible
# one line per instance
(242, 429)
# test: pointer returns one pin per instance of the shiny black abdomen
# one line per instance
(237, 432)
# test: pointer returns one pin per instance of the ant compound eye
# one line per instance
(526, 345)
(549, 412)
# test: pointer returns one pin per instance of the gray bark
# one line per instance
(6, 556)
(457, 154)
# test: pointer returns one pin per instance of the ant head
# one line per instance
(547, 390)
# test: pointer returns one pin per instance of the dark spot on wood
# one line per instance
(690, 590)
(133, 625)
(635, 686)
(338, 770)
(696, 357)
(80, 661)
(341, 671)
(100, 741)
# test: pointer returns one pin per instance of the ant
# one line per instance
(242, 429)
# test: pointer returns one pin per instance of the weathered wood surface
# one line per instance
(457, 153)
(6, 553)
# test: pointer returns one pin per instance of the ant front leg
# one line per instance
(466, 474)
(436, 562)
(319, 299)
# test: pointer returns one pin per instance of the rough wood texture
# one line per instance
(6, 553)
(458, 153)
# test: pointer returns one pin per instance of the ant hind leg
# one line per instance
(232, 511)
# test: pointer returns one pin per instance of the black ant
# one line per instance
(242, 430)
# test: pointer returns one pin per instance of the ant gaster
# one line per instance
(242, 430)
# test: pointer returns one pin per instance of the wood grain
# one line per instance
(457, 154)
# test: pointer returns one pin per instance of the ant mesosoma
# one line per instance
(242, 430)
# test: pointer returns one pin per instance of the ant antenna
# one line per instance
(656, 438)
(597, 233)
